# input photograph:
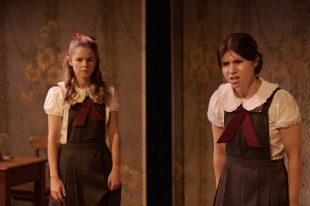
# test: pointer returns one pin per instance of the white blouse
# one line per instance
(55, 105)
(283, 111)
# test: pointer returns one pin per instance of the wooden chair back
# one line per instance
(25, 192)
(38, 143)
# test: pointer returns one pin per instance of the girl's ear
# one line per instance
(69, 60)
(256, 60)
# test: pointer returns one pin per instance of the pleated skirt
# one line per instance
(84, 169)
(252, 183)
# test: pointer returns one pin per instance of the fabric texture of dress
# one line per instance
(249, 176)
(85, 160)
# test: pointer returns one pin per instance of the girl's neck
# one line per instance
(249, 91)
(83, 83)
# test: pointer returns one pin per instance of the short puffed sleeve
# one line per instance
(113, 102)
(286, 110)
(215, 110)
(53, 104)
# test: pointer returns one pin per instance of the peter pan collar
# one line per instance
(80, 94)
(230, 101)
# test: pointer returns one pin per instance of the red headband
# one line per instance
(77, 36)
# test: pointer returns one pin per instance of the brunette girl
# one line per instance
(254, 123)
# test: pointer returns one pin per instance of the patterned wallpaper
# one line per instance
(201, 77)
(36, 39)
(4, 117)
(283, 36)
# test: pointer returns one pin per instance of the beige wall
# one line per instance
(36, 34)
(281, 29)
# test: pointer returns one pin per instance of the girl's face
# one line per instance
(83, 61)
(238, 71)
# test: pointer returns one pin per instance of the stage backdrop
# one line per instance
(282, 31)
(34, 40)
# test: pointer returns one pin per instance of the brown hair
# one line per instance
(243, 44)
(101, 90)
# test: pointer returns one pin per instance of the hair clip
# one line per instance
(77, 36)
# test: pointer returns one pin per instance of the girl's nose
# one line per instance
(232, 68)
(84, 62)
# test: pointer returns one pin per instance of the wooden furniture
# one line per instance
(26, 192)
(19, 170)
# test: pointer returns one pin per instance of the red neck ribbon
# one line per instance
(243, 118)
(87, 108)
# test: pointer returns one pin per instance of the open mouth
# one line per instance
(234, 79)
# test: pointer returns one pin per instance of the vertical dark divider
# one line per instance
(158, 101)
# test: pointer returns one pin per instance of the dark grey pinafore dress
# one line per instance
(85, 160)
(249, 176)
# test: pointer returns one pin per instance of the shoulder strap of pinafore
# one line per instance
(269, 100)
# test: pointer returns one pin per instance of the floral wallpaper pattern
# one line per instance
(3, 83)
(201, 77)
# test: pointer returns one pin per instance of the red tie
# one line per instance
(87, 108)
(242, 117)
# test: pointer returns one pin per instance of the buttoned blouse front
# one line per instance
(55, 105)
(283, 111)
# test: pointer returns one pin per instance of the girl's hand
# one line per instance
(114, 180)
(58, 191)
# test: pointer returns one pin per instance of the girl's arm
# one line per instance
(57, 186)
(219, 153)
(115, 146)
(291, 139)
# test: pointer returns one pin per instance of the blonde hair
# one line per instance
(100, 91)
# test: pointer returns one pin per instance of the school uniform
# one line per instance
(85, 160)
(254, 173)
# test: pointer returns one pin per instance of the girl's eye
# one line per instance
(91, 59)
(79, 60)
(238, 61)
(224, 64)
